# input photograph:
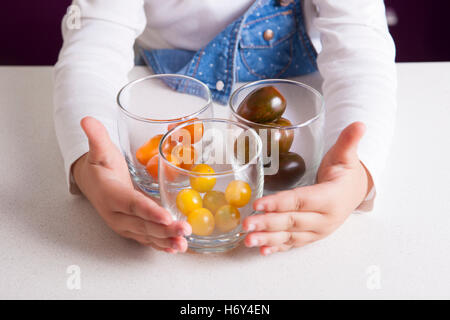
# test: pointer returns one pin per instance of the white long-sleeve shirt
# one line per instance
(356, 61)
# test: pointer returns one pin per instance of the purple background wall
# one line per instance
(30, 30)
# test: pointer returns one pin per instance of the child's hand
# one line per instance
(102, 175)
(300, 216)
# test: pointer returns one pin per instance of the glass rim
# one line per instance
(297, 83)
(130, 84)
(215, 174)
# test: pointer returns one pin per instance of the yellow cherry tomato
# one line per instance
(227, 218)
(188, 200)
(238, 193)
(213, 200)
(203, 183)
(201, 221)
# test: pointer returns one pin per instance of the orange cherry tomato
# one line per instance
(152, 167)
(184, 156)
(148, 150)
(193, 132)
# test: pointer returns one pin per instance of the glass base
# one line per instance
(217, 245)
(142, 180)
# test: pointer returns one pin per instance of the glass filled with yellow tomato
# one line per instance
(148, 108)
(208, 183)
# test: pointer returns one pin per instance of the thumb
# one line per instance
(346, 147)
(99, 141)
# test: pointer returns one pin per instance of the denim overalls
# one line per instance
(268, 41)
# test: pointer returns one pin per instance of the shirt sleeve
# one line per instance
(93, 65)
(357, 63)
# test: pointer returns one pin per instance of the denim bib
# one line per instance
(268, 41)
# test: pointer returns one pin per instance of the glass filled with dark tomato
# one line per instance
(289, 118)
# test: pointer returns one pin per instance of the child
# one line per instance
(221, 42)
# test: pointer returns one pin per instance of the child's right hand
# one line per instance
(102, 175)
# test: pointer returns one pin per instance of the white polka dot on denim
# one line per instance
(211, 65)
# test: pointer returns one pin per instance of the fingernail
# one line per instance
(267, 251)
(251, 227)
(174, 245)
(165, 221)
(260, 207)
(253, 242)
(187, 230)
(180, 232)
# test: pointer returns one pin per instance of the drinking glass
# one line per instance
(206, 183)
(149, 107)
(291, 152)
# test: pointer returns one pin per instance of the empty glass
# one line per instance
(292, 144)
(149, 107)
(205, 183)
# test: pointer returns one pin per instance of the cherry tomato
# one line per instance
(193, 133)
(152, 168)
(148, 150)
(188, 200)
(184, 156)
(291, 168)
(203, 183)
(201, 221)
(227, 218)
(213, 200)
(238, 193)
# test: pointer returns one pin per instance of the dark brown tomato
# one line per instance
(292, 167)
(243, 153)
(282, 137)
(265, 104)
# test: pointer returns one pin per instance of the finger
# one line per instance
(270, 239)
(132, 202)
(177, 243)
(266, 250)
(309, 198)
(345, 149)
(99, 141)
(139, 226)
(145, 241)
(289, 221)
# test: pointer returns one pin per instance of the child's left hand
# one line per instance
(303, 215)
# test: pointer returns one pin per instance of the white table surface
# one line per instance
(404, 242)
